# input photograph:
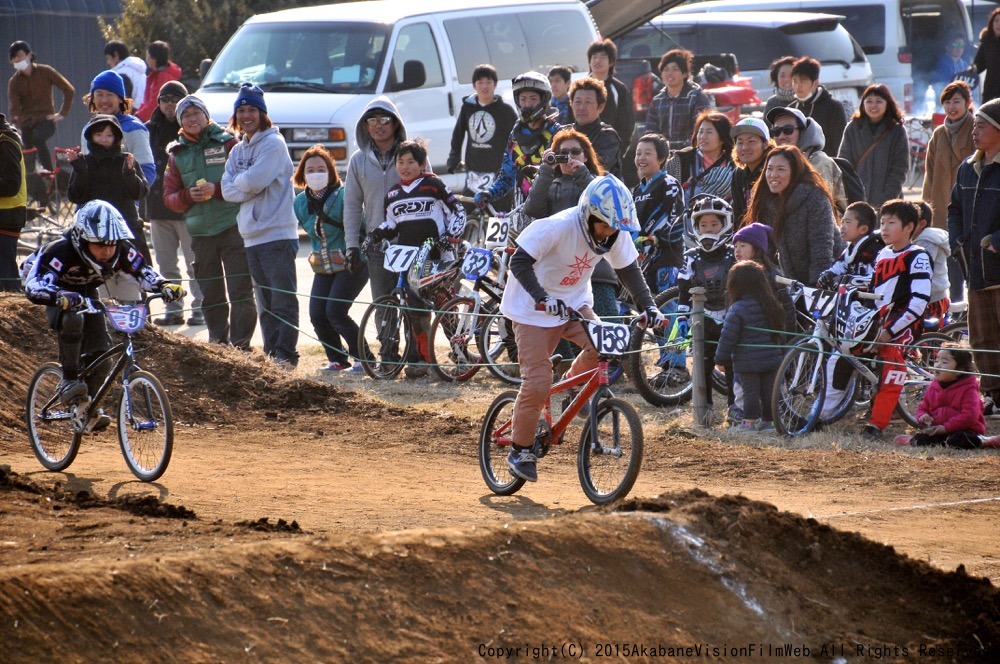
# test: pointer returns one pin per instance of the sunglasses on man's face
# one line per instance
(168, 100)
(380, 120)
(957, 44)
(576, 152)
(786, 130)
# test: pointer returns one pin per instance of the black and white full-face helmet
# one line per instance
(101, 223)
(858, 327)
(534, 82)
(706, 204)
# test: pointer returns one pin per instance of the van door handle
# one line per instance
(451, 104)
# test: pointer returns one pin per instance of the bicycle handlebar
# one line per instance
(862, 295)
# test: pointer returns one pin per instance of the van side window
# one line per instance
(415, 60)
(866, 23)
(516, 43)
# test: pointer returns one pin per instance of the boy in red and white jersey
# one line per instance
(902, 282)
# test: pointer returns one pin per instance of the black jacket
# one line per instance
(102, 174)
(830, 115)
(162, 132)
(488, 128)
(618, 111)
(607, 144)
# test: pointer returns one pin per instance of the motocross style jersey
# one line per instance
(902, 282)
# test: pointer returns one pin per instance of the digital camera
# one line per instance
(551, 159)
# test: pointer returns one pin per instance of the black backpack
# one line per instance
(854, 188)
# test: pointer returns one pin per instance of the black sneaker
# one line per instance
(990, 410)
(871, 432)
(72, 391)
(523, 463)
(169, 320)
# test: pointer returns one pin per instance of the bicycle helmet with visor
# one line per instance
(534, 82)
(706, 204)
(98, 222)
(607, 199)
(857, 326)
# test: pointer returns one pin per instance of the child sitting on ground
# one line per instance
(749, 341)
(935, 241)
(418, 207)
(709, 226)
(952, 409)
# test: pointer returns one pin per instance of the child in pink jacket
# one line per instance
(951, 412)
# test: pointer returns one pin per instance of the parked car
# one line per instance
(901, 38)
(756, 39)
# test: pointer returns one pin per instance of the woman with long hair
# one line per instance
(875, 143)
(988, 56)
(793, 199)
(707, 166)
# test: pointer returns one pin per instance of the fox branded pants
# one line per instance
(893, 375)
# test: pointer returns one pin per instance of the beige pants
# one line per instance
(535, 346)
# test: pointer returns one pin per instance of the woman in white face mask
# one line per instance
(31, 105)
(340, 273)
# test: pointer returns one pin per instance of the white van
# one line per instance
(320, 66)
(903, 39)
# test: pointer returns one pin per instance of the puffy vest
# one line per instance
(20, 199)
(205, 159)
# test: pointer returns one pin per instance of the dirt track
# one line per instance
(470, 569)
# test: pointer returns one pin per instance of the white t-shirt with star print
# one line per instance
(564, 262)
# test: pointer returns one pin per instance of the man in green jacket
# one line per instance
(191, 186)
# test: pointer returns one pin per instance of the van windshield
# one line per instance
(307, 57)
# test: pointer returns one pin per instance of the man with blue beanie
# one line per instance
(107, 97)
(259, 177)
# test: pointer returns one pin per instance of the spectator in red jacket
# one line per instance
(161, 70)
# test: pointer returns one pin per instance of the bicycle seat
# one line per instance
(958, 307)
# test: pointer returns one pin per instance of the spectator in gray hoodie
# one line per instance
(370, 174)
(259, 177)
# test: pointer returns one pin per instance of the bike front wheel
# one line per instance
(495, 445)
(383, 338)
(608, 462)
(53, 438)
(453, 340)
(799, 389)
(145, 426)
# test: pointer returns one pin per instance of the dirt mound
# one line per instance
(206, 382)
(685, 576)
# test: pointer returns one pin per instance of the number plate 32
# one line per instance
(477, 263)
(609, 338)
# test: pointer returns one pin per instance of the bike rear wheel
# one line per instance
(799, 389)
(492, 454)
(145, 426)
(498, 348)
(453, 340)
(383, 338)
(608, 463)
(50, 425)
